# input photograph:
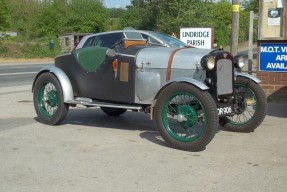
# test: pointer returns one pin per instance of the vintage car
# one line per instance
(188, 92)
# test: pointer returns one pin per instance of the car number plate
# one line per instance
(224, 110)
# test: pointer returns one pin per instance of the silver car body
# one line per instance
(152, 64)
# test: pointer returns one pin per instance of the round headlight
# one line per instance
(208, 62)
(239, 62)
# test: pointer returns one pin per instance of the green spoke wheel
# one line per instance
(249, 105)
(48, 99)
(186, 116)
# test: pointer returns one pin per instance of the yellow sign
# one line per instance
(235, 8)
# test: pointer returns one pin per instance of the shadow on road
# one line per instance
(94, 117)
(277, 109)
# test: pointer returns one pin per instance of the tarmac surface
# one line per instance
(92, 152)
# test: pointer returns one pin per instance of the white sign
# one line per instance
(197, 37)
(274, 16)
(280, 3)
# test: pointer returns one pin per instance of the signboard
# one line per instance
(273, 57)
(274, 16)
(197, 37)
(235, 8)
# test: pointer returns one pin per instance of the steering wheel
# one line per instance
(117, 43)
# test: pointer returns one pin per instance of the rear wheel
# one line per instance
(250, 107)
(48, 99)
(186, 117)
(113, 111)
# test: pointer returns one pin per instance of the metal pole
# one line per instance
(235, 26)
(285, 21)
(250, 42)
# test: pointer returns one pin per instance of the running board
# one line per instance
(92, 103)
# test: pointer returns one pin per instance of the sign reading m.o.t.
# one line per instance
(273, 56)
(197, 37)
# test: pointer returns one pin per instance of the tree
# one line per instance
(4, 16)
(175, 14)
(250, 5)
(247, 6)
(222, 19)
(23, 15)
(51, 19)
(116, 12)
(167, 15)
(62, 16)
(142, 14)
(89, 16)
(243, 26)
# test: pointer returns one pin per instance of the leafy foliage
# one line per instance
(36, 19)
(27, 50)
(222, 24)
(23, 15)
(39, 21)
(4, 16)
(165, 15)
(250, 5)
(169, 16)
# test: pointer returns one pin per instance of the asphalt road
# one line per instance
(90, 151)
(19, 74)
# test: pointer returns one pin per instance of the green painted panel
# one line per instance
(90, 58)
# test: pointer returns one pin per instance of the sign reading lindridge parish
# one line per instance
(273, 57)
(198, 37)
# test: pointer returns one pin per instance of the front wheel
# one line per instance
(186, 116)
(48, 99)
(249, 105)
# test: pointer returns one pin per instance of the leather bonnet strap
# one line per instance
(168, 69)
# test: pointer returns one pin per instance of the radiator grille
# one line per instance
(224, 77)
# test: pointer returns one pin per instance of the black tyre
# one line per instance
(113, 111)
(186, 116)
(48, 99)
(250, 107)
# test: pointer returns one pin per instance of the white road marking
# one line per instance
(23, 73)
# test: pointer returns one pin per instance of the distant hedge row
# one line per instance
(27, 50)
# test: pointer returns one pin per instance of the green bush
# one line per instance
(28, 50)
(31, 50)
(3, 49)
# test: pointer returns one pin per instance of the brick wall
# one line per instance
(274, 84)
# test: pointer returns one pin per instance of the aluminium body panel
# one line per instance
(152, 64)
(246, 75)
(150, 81)
(189, 58)
(184, 58)
(63, 79)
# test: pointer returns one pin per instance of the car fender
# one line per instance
(63, 79)
(246, 75)
(194, 82)
(197, 83)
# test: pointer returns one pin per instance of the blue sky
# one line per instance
(116, 3)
